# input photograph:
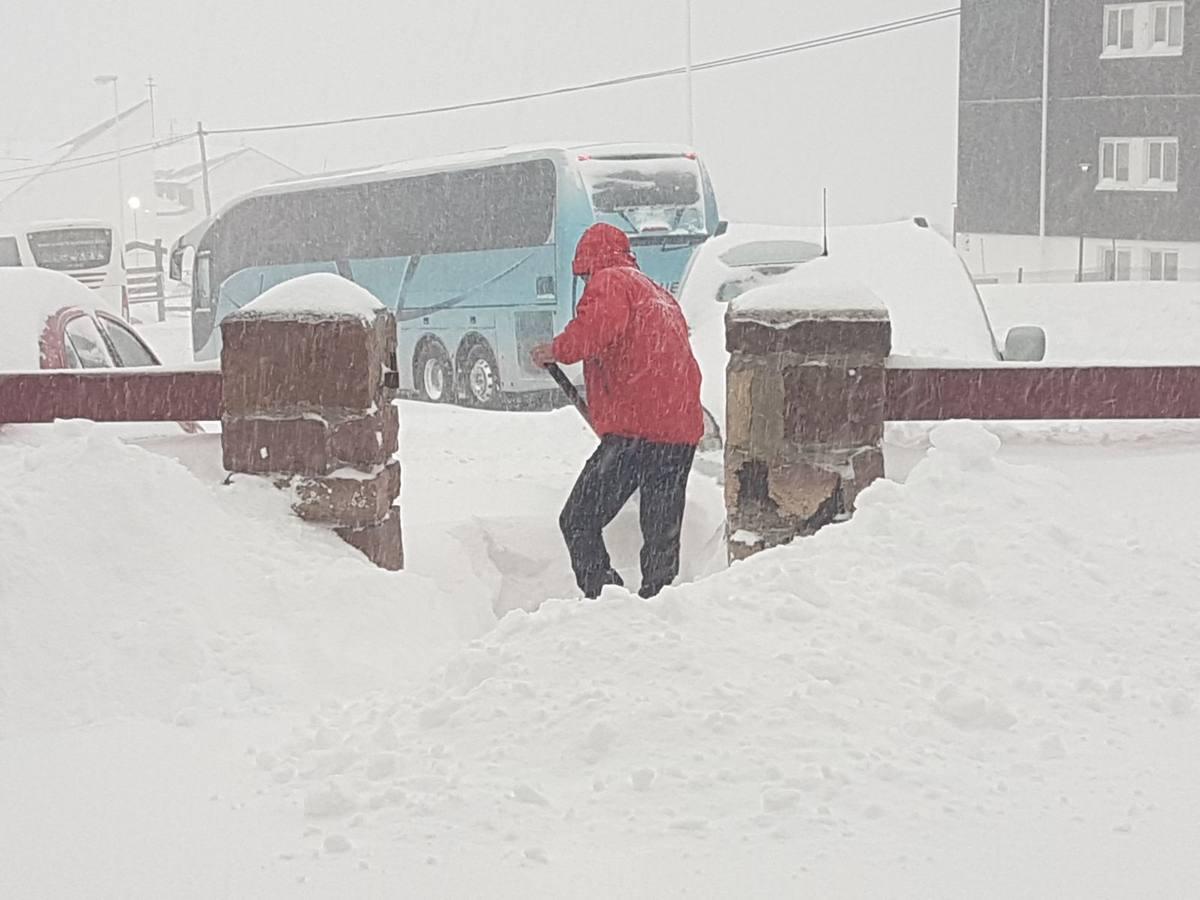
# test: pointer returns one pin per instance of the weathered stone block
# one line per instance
(259, 445)
(348, 498)
(833, 405)
(391, 428)
(805, 404)
(381, 543)
(272, 363)
(363, 441)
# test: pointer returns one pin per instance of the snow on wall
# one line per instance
(820, 285)
(320, 294)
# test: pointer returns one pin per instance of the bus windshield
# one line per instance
(647, 196)
(71, 249)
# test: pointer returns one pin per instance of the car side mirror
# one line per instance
(175, 272)
(722, 227)
(1025, 343)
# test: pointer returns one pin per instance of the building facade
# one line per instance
(1079, 140)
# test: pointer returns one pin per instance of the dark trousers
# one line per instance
(620, 466)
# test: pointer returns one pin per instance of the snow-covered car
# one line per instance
(51, 321)
(936, 312)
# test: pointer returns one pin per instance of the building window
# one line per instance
(1117, 263)
(1163, 162)
(1114, 161)
(1139, 164)
(1168, 26)
(1163, 265)
(1118, 29)
(1143, 29)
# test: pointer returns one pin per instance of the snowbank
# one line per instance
(972, 648)
(132, 588)
(319, 294)
(1123, 323)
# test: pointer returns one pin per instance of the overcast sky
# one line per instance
(873, 119)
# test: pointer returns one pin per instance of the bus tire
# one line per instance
(433, 375)
(480, 377)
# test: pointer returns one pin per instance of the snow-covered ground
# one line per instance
(984, 685)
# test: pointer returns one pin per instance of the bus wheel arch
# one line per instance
(478, 372)
(433, 372)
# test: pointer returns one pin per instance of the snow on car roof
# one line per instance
(29, 296)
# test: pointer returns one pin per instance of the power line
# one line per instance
(81, 162)
(768, 53)
(90, 159)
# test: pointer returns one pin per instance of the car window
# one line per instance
(89, 346)
(130, 349)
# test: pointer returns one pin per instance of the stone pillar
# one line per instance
(804, 408)
(306, 403)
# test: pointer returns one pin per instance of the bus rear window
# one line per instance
(71, 249)
(646, 195)
(10, 253)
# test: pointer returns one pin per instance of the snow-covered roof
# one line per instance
(29, 297)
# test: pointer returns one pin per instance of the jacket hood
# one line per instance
(602, 246)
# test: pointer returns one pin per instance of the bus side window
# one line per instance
(10, 252)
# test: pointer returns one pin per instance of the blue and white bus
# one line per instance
(472, 252)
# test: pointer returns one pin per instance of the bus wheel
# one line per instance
(432, 373)
(481, 378)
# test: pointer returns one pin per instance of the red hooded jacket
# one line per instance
(642, 379)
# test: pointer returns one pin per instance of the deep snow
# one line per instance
(984, 685)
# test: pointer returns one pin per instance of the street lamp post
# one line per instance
(112, 79)
(135, 203)
(1084, 169)
(691, 125)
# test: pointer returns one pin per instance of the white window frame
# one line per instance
(1143, 19)
(1165, 9)
(1141, 152)
(1109, 181)
(1156, 149)
(1117, 272)
(1162, 253)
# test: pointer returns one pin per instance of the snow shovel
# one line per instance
(560, 377)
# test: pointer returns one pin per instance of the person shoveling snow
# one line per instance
(643, 389)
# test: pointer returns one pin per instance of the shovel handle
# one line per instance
(560, 377)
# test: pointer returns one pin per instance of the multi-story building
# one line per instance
(1079, 139)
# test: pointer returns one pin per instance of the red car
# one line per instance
(50, 321)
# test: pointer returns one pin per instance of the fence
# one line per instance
(148, 284)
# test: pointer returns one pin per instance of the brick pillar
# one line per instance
(305, 402)
(804, 409)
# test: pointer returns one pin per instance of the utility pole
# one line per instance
(120, 220)
(204, 168)
(691, 122)
(150, 86)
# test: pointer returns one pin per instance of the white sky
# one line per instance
(874, 119)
